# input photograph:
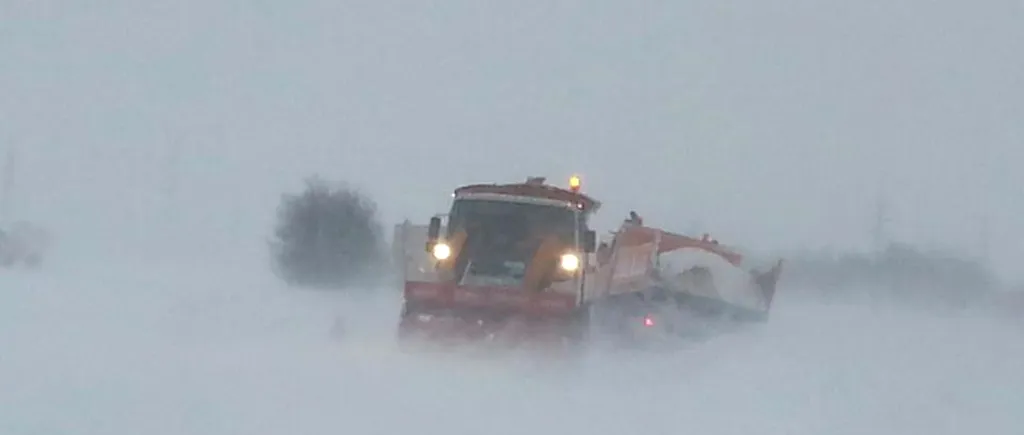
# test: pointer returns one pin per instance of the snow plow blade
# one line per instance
(690, 282)
(504, 318)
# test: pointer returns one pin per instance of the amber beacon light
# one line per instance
(574, 183)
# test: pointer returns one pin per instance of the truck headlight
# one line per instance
(569, 262)
(441, 251)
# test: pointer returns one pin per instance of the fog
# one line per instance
(772, 125)
(154, 139)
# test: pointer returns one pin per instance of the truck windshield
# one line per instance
(513, 220)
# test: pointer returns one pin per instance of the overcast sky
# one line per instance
(771, 124)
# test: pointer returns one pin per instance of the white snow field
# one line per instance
(123, 347)
(792, 125)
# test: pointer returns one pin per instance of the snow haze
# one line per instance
(154, 140)
(773, 125)
(132, 347)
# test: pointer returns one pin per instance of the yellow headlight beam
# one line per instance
(569, 262)
(441, 251)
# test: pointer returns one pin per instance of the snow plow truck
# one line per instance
(518, 263)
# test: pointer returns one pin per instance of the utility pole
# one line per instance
(171, 163)
(878, 232)
(177, 138)
(179, 141)
(983, 240)
(7, 188)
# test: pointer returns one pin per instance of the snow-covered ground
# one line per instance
(124, 347)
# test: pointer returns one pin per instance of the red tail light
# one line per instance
(648, 321)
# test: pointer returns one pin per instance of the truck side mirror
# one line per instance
(433, 232)
(589, 241)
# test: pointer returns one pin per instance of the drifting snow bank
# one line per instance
(728, 283)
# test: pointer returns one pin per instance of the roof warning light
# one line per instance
(574, 183)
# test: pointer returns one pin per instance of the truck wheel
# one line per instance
(577, 332)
